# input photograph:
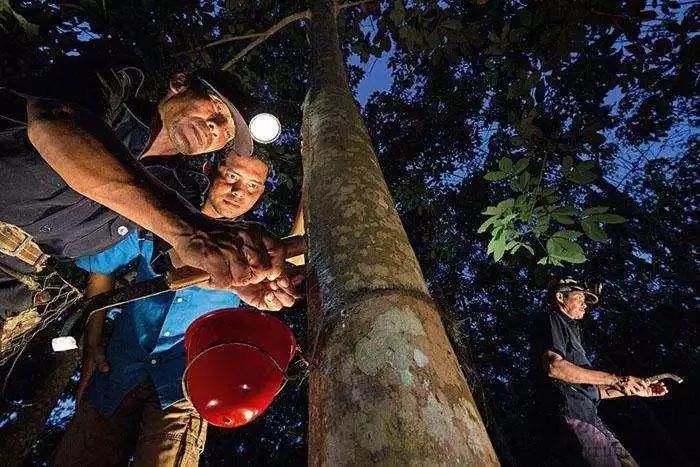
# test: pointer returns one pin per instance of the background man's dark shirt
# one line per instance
(561, 334)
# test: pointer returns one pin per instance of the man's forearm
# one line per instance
(93, 163)
(609, 392)
(97, 284)
(564, 370)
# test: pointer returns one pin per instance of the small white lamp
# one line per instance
(265, 128)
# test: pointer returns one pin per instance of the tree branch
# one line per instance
(223, 40)
(264, 35)
(352, 4)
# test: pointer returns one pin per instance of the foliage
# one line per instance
(533, 215)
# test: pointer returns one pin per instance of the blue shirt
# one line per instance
(147, 341)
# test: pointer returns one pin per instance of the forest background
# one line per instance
(573, 125)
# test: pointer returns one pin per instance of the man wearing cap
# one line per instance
(133, 404)
(71, 179)
(570, 389)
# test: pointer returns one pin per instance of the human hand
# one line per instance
(285, 248)
(655, 389)
(233, 255)
(631, 385)
(272, 295)
(93, 359)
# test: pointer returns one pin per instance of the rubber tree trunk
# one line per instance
(385, 386)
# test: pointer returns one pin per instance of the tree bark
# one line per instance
(385, 385)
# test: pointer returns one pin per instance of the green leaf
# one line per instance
(594, 232)
(523, 245)
(543, 261)
(581, 178)
(505, 164)
(585, 165)
(506, 204)
(500, 208)
(495, 176)
(542, 225)
(521, 165)
(567, 162)
(563, 219)
(523, 180)
(484, 227)
(563, 249)
(512, 244)
(596, 210)
(497, 245)
(610, 218)
(568, 234)
(564, 210)
(498, 251)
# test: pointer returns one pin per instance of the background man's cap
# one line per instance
(569, 284)
(242, 142)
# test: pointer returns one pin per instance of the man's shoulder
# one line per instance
(545, 319)
(97, 85)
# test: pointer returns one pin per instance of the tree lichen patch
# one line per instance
(420, 358)
(388, 344)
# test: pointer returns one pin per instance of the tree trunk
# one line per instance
(385, 386)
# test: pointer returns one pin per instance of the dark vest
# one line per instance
(34, 197)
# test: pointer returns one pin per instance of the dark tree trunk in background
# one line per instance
(386, 387)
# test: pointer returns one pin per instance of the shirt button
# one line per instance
(166, 333)
(154, 361)
(122, 230)
(179, 300)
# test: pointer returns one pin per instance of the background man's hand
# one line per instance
(631, 385)
(656, 389)
(272, 295)
(93, 359)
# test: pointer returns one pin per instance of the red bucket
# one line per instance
(236, 364)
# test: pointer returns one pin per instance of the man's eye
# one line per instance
(252, 186)
(232, 177)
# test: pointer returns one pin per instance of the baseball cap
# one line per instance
(569, 284)
(242, 141)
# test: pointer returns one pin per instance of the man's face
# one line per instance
(196, 122)
(573, 303)
(236, 186)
